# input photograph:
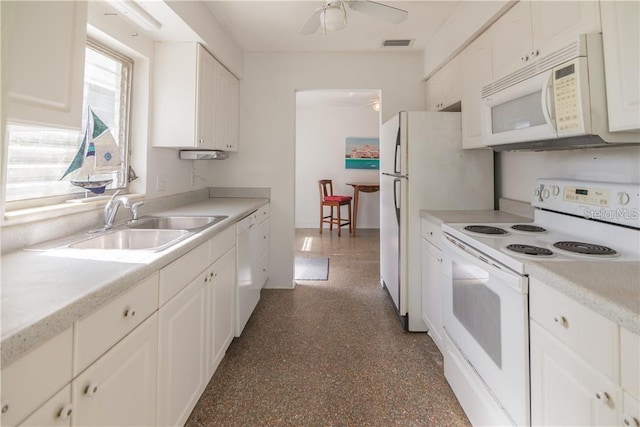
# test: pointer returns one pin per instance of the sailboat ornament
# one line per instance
(97, 155)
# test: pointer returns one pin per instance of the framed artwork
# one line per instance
(362, 153)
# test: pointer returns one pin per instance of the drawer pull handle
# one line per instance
(560, 320)
(631, 421)
(65, 412)
(128, 313)
(5, 408)
(602, 396)
(91, 389)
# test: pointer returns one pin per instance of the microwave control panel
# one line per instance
(566, 99)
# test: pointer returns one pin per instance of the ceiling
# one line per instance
(338, 98)
(273, 26)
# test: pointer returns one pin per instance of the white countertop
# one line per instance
(610, 288)
(45, 292)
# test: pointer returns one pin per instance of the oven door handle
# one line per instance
(508, 276)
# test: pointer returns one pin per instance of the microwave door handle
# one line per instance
(546, 101)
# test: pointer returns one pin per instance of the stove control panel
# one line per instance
(603, 201)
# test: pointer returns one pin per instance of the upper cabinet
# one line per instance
(621, 39)
(443, 88)
(533, 29)
(475, 71)
(45, 61)
(195, 99)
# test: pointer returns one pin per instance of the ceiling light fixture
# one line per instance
(333, 17)
(376, 106)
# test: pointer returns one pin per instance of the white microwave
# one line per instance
(559, 101)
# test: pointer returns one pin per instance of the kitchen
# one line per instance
(267, 105)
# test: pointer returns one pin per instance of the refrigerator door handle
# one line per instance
(396, 204)
(396, 168)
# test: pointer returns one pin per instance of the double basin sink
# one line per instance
(152, 233)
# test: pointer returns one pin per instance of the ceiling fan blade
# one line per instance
(386, 13)
(313, 23)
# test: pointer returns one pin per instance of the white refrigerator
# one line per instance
(423, 166)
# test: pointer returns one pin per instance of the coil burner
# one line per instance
(529, 228)
(585, 248)
(530, 250)
(486, 229)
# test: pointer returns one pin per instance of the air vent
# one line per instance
(397, 43)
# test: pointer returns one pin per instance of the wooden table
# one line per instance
(365, 187)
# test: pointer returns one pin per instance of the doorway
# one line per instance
(325, 121)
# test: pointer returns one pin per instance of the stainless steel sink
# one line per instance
(190, 223)
(133, 239)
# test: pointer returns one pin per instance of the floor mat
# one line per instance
(312, 268)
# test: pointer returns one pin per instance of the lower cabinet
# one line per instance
(56, 412)
(431, 277)
(584, 367)
(565, 390)
(120, 387)
(182, 350)
(220, 292)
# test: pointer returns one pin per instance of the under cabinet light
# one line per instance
(136, 14)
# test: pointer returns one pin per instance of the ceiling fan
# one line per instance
(333, 15)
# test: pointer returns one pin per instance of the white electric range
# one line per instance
(485, 286)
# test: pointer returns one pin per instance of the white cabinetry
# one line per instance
(182, 351)
(45, 61)
(120, 388)
(431, 269)
(56, 412)
(195, 99)
(621, 42)
(196, 324)
(443, 88)
(575, 363)
(532, 29)
(475, 71)
(221, 313)
(33, 379)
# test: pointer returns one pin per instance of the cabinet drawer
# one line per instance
(178, 274)
(587, 333)
(262, 236)
(432, 232)
(220, 244)
(630, 362)
(32, 379)
(98, 332)
(263, 269)
(56, 412)
(630, 411)
(263, 213)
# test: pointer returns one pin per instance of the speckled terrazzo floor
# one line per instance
(330, 353)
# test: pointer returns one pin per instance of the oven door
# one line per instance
(485, 314)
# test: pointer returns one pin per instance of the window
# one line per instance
(38, 157)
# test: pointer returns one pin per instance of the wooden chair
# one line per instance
(327, 198)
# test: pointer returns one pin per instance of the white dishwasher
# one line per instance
(252, 247)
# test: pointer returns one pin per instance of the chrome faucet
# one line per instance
(134, 209)
(111, 208)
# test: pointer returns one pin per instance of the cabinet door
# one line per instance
(511, 40)
(45, 61)
(120, 387)
(555, 24)
(432, 291)
(221, 309)
(234, 104)
(630, 411)
(621, 41)
(475, 69)
(431, 91)
(565, 390)
(443, 88)
(56, 412)
(182, 350)
(206, 110)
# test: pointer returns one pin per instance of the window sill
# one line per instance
(25, 216)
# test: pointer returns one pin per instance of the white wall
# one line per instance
(516, 172)
(267, 125)
(320, 148)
